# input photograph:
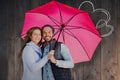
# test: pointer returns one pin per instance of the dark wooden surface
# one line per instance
(105, 64)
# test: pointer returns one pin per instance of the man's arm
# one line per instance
(67, 62)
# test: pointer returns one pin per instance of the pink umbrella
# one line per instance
(72, 26)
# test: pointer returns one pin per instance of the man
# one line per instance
(58, 68)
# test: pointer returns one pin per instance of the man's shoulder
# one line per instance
(60, 43)
(63, 46)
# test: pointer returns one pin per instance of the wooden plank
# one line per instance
(21, 7)
(3, 61)
(117, 30)
(11, 40)
(77, 71)
(5, 40)
(109, 56)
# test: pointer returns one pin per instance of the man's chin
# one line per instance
(48, 40)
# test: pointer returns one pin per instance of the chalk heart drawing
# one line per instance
(102, 23)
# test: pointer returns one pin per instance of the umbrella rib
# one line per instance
(61, 31)
(77, 40)
(63, 35)
(61, 20)
(72, 17)
(53, 20)
(56, 32)
(78, 27)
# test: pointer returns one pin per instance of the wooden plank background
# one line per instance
(105, 64)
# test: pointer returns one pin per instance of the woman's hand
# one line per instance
(51, 53)
(51, 56)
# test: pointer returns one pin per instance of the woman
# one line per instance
(32, 56)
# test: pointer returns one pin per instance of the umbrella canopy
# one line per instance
(72, 26)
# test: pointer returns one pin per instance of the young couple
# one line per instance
(44, 63)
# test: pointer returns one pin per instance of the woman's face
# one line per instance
(36, 36)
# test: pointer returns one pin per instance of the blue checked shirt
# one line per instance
(47, 70)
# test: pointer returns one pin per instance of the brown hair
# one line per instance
(27, 38)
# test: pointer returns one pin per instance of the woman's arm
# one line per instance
(30, 59)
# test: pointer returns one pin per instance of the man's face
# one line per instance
(47, 34)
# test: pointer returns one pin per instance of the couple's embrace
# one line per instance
(40, 61)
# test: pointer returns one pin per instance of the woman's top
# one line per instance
(33, 62)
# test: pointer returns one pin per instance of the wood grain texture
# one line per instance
(105, 63)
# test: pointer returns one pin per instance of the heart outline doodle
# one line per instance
(98, 25)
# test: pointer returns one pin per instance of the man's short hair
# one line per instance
(47, 25)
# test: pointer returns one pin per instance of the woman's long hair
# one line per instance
(27, 38)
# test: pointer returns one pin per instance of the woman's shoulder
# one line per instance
(28, 48)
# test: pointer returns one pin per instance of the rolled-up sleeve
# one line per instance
(67, 62)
